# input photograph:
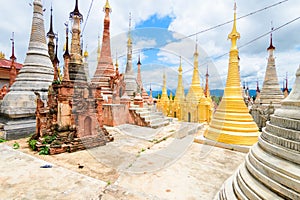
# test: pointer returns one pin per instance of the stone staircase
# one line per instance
(151, 117)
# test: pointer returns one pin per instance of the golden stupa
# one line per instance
(232, 123)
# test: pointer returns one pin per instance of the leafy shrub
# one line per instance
(16, 145)
(32, 144)
(44, 151)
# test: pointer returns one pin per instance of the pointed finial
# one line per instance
(234, 35)
(207, 75)
(107, 6)
(234, 8)
(56, 47)
(257, 87)
(139, 60)
(271, 47)
(180, 65)
(66, 54)
(86, 53)
(76, 12)
(129, 21)
(117, 65)
(13, 57)
(286, 82)
(51, 33)
(196, 47)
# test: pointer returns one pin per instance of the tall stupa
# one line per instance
(129, 77)
(36, 75)
(272, 167)
(232, 123)
(271, 91)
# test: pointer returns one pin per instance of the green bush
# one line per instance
(16, 145)
(48, 139)
(44, 151)
(32, 144)
(2, 140)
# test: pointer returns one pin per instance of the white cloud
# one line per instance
(188, 16)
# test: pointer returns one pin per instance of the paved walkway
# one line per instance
(22, 178)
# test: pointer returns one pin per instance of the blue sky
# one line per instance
(173, 19)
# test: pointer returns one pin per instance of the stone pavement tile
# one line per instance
(198, 174)
(22, 178)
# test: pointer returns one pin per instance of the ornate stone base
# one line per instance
(65, 142)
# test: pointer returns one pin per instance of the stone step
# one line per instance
(280, 165)
(267, 165)
(241, 188)
(158, 125)
(255, 185)
(155, 121)
(285, 122)
(283, 132)
(255, 169)
(228, 192)
(279, 151)
(236, 182)
(289, 144)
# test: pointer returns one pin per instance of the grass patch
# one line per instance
(16, 145)
(2, 140)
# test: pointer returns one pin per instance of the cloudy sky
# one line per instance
(158, 27)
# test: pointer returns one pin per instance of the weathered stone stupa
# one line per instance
(271, 94)
(271, 91)
(129, 77)
(19, 105)
(232, 123)
(272, 167)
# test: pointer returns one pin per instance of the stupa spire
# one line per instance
(232, 122)
(56, 61)
(51, 36)
(13, 57)
(164, 95)
(139, 76)
(195, 91)
(66, 55)
(76, 66)
(234, 35)
(13, 70)
(105, 66)
(207, 93)
(271, 91)
(129, 77)
(180, 89)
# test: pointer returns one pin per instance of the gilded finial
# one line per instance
(180, 65)
(107, 6)
(129, 29)
(86, 53)
(234, 35)
(117, 64)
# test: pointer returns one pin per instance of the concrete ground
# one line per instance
(141, 163)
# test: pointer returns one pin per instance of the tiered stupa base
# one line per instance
(232, 124)
(272, 167)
